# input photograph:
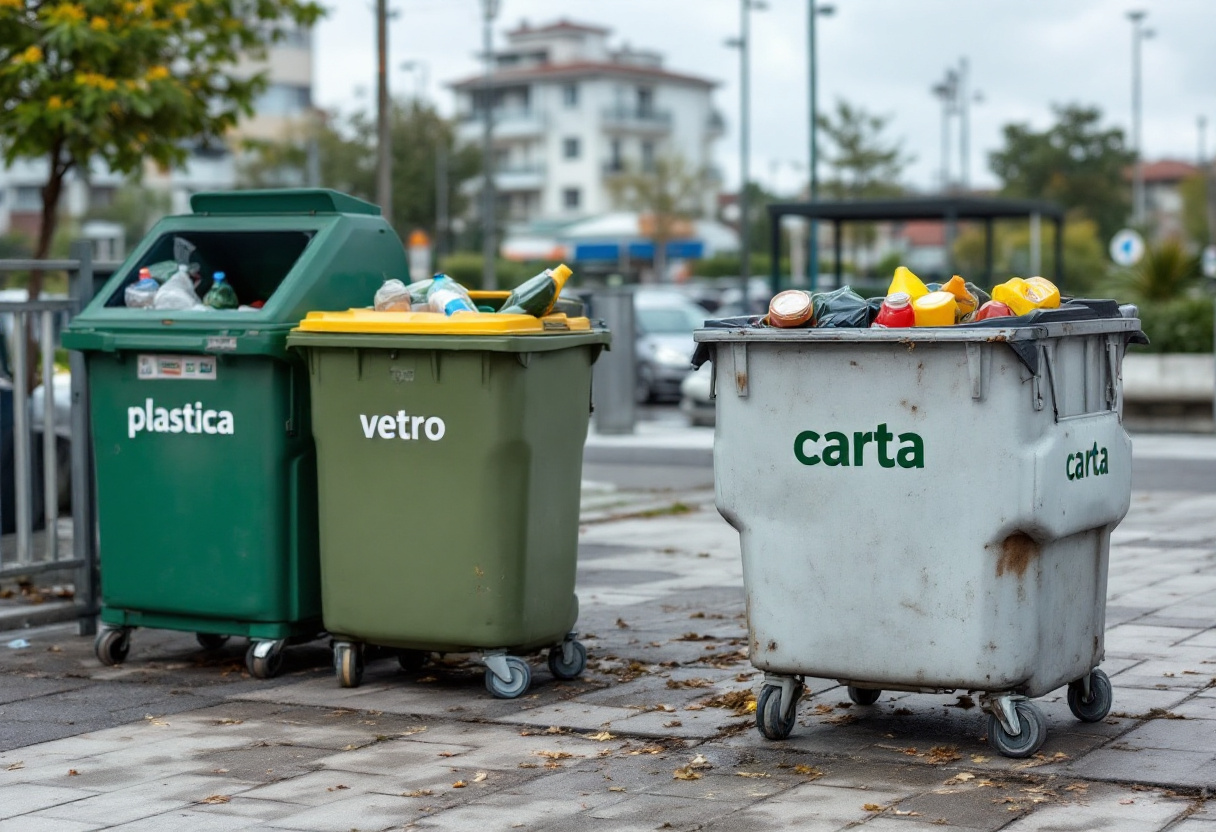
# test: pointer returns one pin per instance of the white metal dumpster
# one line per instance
(926, 510)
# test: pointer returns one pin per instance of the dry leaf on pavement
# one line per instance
(602, 736)
(942, 754)
(15, 766)
(216, 798)
(480, 777)
(615, 789)
(751, 774)
(554, 755)
(808, 771)
(459, 784)
(686, 773)
(874, 807)
(418, 793)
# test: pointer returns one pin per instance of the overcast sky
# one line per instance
(884, 55)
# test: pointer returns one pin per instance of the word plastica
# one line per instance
(189, 418)
(838, 450)
(403, 426)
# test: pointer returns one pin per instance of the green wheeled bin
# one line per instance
(449, 457)
(205, 467)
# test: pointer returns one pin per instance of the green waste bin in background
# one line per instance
(449, 457)
(206, 473)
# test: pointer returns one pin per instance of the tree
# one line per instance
(1075, 162)
(124, 82)
(1197, 214)
(864, 164)
(665, 196)
(346, 160)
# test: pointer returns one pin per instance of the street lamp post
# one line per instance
(384, 157)
(488, 201)
(813, 12)
(948, 92)
(745, 128)
(1139, 35)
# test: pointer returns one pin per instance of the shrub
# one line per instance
(1183, 325)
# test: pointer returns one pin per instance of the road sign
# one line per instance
(1209, 261)
(1127, 247)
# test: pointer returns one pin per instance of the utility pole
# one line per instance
(813, 12)
(964, 125)
(384, 156)
(489, 203)
(745, 127)
(1202, 124)
(1139, 35)
(947, 91)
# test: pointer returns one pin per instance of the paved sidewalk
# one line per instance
(656, 736)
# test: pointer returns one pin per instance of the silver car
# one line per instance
(664, 320)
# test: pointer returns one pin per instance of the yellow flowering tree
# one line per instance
(122, 82)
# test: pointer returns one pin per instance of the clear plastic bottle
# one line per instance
(447, 296)
(221, 295)
(141, 293)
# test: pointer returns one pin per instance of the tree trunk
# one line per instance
(51, 192)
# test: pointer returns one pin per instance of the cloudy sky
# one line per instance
(1025, 55)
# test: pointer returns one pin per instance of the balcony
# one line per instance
(512, 123)
(636, 120)
(519, 177)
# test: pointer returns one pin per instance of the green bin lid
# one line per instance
(280, 201)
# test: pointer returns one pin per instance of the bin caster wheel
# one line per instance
(864, 696)
(521, 678)
(348, 664)
(112, 646)
(769, 721)
(211, 641)
(264, 662)
(412, 661)
(1097, 705)
(567, 667)
(1032, 731)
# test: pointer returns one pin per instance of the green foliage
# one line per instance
(136, 209)
(1075, 162)
(665, 195)
(1166, 272)
(1195, 209)
(864, 164)
(729, 265)
(1085, 265)
(1183, 325)
(465, 268)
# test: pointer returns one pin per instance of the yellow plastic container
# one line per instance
(905, 281)
(1024, 296)
(935, 309)
(966, 301)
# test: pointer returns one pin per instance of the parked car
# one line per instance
(695, 400)
(664, 322)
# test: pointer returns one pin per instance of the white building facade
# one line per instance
(570, 114)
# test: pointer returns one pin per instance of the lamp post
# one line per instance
(488, 201)
(384, 157)
(1139, 35)
(743, 44)
(948, 92)
(813, 12)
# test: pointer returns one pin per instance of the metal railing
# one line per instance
(23, 558)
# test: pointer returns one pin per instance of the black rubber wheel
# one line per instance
(348, 665)
(112, 647)
(521, 678)
(560, 669)
(864, 696)
(412, 661)
(768, 713)
(210, 641)
(1033, 732)
(263, 667)
(1101, 697)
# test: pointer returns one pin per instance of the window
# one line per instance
(615, 162)
(570, 148)
(648, 156)
(27, 198)
(283, 100)
(570, 96)
(571, 198)
(101, 196)
(645, 101)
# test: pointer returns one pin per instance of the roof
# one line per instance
(920, 208)
(562, 25)
(924, 233)
(580, 69)
(1168, 170)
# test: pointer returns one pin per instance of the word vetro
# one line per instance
(1091, 463)
(838, 450)
(189, 418)
(403, 426)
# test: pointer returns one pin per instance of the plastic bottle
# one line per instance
(221, 295)
(967, 302)
(896, 311)
(993, 309)
(935, 309)
(537, 295)
(178, 292)
(141, 293)
(392, 297)
(447, 296)
(905, 281)
(1023, 296)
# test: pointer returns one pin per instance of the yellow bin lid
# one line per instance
(370, 321)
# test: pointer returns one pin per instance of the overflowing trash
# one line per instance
(442, 295)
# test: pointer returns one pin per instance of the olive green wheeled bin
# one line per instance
(449, 457)
(205, 468)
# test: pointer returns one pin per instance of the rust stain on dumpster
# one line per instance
(741, 381)
(1017, 552)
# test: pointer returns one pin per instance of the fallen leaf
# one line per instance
(219, 771)
(808, 771)
(418, 729)
(697, 682)
(418, 793)
(840, 719)
(528, 765)
(822, 708)
(556, 729)
(554, 755)
(73, 772)
(448, 753)
(480, 777)
(874, 807)
(906, 814)
(647, 749)
(675, 723)
(216, 798)
(337, 788)
(615, 789)
(1080, 788)
(620, 622)
(686, 773)
(602, 736)
(751, 774)
(742, 702)
(942, 754)
(229, 721)
(961, 777)
(979, 758)
(694, 707)
(459, 784)
(15, 766)
(1127, 801)
(350, 747)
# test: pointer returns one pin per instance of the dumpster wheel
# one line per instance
(1094, 704)
(412, 661)
(769, 721)
(518, 670)
(210, 641)
(1032, 731)
(348, 664)
(112, 646)
(264, 659)
(568, 660)
(864, 696)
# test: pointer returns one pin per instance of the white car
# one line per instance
(695, 400)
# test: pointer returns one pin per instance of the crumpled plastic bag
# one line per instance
(177, 293)
(393, 296)
(840, 308)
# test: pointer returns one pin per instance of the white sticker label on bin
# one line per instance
(193, 367)
(402, 426)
